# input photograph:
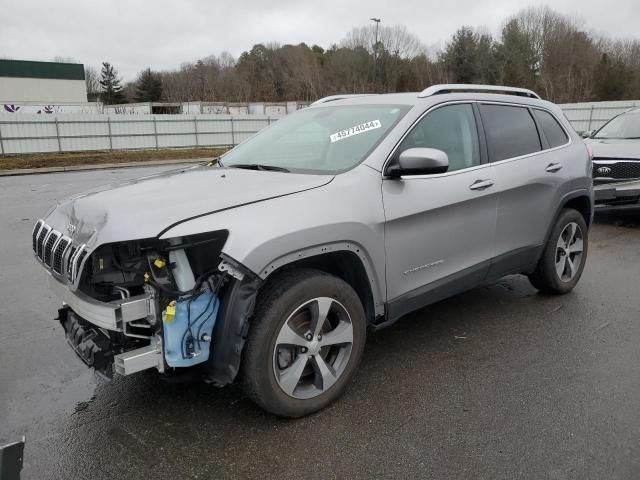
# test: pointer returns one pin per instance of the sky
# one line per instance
(161, 34)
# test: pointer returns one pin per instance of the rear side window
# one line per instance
(551, 128)
(510, 131)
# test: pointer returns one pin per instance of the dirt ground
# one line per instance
(42, 160)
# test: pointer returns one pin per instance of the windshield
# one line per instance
(318, 140)
(624, 126)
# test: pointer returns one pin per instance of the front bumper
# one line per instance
(91, 345)
(617, 197)
(97, 349)
(109, 315)
(91, 326)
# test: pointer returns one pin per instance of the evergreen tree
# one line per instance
(111, 90)
(518, 57)
(148, 87)
(612, 79)
(460, 57)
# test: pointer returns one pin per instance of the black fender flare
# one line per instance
(232, 326)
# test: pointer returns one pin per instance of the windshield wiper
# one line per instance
(257, 166)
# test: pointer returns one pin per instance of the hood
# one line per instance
(614, 148)
(143, 207)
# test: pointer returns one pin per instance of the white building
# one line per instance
(42, 87)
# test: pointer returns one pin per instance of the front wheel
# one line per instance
(564, 255)
(305, 342)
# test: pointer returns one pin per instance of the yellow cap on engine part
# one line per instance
(146, 277)
(159, 263)
(170, 312)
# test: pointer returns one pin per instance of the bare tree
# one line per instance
(63, 60)
(538, 48)
(395, 39)
(92, 80)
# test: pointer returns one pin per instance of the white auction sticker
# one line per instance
(350, 132)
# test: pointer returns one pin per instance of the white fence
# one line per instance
(31, 133)
(26, 133)
(588, 116)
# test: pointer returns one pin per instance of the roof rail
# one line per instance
(461, 87)
(333, 98)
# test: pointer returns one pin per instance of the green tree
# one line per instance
(471, 57)
(460, 57)
(110, 88)
(517, 57)
(148, 87)
(486, 59)
(612, 79)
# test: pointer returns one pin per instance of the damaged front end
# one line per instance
(151, 303)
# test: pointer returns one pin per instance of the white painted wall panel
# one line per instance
(45, 90)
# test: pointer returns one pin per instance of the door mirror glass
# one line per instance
(419, 161)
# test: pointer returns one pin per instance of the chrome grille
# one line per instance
(49, 243)
(57, 252)
(72, 252)
(615, 169)
(44, 231)
(35, 233)
(58, 255)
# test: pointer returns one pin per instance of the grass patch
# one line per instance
(41, 160)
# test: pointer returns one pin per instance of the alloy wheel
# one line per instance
(569, 252)
(313, 348)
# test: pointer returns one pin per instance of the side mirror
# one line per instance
(419, 161)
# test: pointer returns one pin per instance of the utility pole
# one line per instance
(375, 53)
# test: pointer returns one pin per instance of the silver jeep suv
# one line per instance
(270, 264)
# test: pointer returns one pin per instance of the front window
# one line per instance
(452, 129)
(624, 126)
(318, 140)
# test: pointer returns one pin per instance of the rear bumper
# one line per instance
(617, 197)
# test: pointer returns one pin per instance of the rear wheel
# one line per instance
(564, 256)
(305, 342)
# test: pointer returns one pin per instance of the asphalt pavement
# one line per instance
(498, 383)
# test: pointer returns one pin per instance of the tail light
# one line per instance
(590, 152)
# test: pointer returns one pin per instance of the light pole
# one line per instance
(375, 51)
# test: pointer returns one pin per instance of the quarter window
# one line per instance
(511, 131)
(556, 136)
(451, 129)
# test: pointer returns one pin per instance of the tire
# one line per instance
(277, 349)
(561, 266)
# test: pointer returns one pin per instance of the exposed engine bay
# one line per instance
(180, 282)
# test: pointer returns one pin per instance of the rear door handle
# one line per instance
(553, 167)
(481, 184)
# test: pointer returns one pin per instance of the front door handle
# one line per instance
(553, 167)
(481, 184)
